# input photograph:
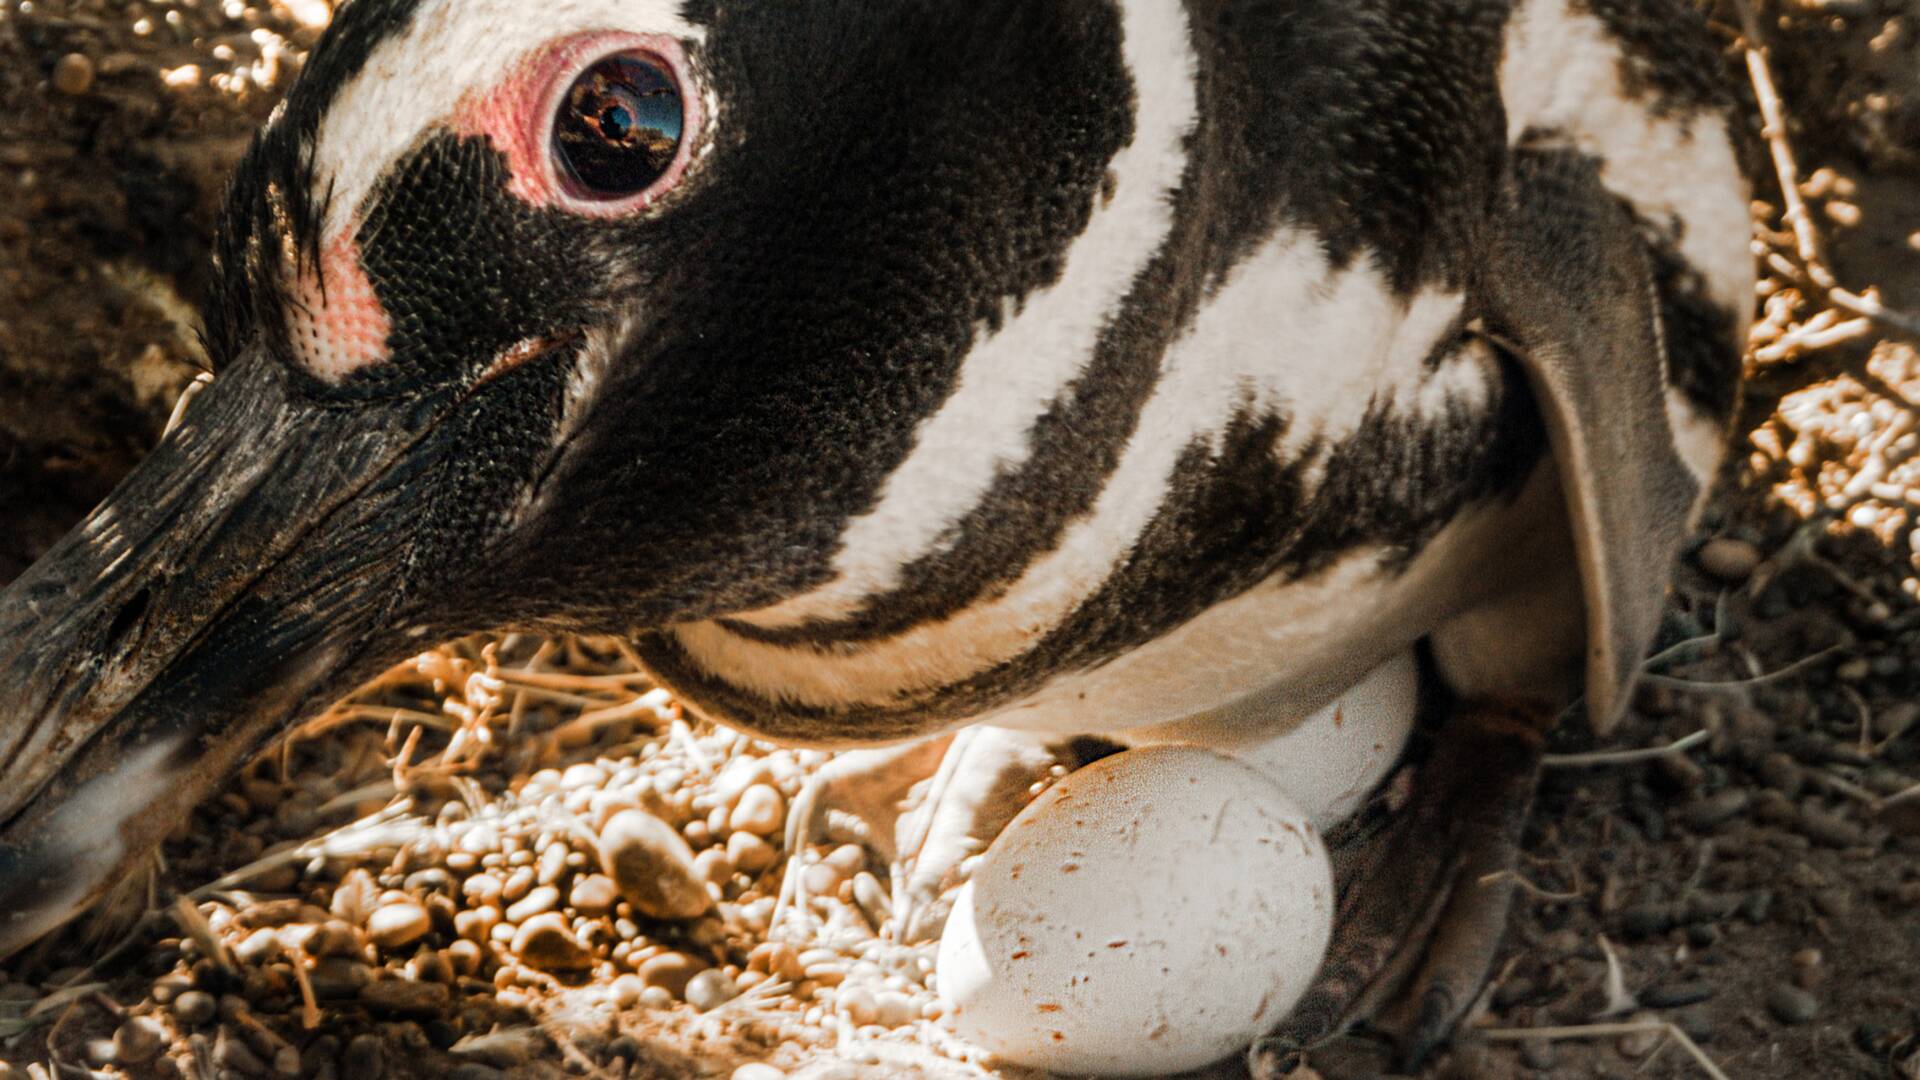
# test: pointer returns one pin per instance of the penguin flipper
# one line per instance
(1568, 280)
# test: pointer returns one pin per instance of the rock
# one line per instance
(465, 956)
(1641, 1043)
(1830, 829)
(538, 902)
(872, 898)
(481, 889)
(195, 1007)
(518, 884)
(1715, 810)
(1791, 1005)
(713, 866)
(1538, 1054)
(1675, 995)
(404, 998)
(750, 854)
(711, 989)
(394, 925)
(894, 1009)
(338, 977)
(1728, 559)
(139, 1041)
(762, 810)
(822, 879)
(670, 972)
(477, 924)
(231, 1053)
(365, 1058)
(856, 1003)
(547, 943)
(653, 867)
(627, 990)
(758, 1070)
(594, 894)
(257, 948)
(73, 74)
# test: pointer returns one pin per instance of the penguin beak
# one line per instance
(248, 572)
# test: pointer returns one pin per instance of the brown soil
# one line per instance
(1759, 891)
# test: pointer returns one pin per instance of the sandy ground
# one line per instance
(1758, 891)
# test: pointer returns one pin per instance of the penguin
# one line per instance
(885, 370)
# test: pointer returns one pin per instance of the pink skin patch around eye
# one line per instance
(517, 115)
(337, 327)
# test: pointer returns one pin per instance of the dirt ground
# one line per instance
(1756, 889)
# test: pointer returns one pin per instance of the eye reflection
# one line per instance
(619, 127)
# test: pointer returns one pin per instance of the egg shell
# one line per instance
(1328, 762)
(1154, 912)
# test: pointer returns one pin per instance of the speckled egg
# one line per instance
(1154, 912)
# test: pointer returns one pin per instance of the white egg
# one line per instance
(1152, 913)
(1328, 762)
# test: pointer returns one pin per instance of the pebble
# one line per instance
(338, 977)
(1830, 829)
(538, 902)
(750, 854)
(1641, 1043)
(758, 1071)
(73, 74)
(545, 942)
(195, 1007)
(481, 889)
(627, 990)
(1675, 995)
(518, 884)
(670, 972)
(1714, 810)
(365, 1058)
(713, 866)
(399, 924)
(257, 948)
(1539, 1054)
(653, 867)
(856, 1003)
(404, 998)
(894, 1009)
(139, 1041)
(1791, 1005)
(711, 989)
(761, 810)
(1729, 559)
(594, 894)
(231, 1053)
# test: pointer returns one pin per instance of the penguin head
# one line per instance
(587, 316)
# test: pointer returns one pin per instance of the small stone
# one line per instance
(670, 972)
(712, 866)
(394, 925)
(750, 854)
(257, 948)
(1641, 1043)
(711, 989)
(1830, 829)
(545, 942)
(872, 898)
(1728, 559)
(653, 867)
(594, 894)
(1538, 1054)
(822, 879)
(430, 966)
(73, 74)
(518, 884)
(1675, 995)
(894, 1009)
(1791, 1005)
(762, 810)
(627, 990)
(403, 998)
(758, 1070)
(552, 865)
(139, 1041)
(365, 1057)
(465, 956)
(1714, 810)
(338, 977)
(481, 889)
(538, 902)
(656, 998)
(856, 1003)
(194, 1008)
(229, 1052)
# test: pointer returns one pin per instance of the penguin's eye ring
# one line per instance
(618, 130)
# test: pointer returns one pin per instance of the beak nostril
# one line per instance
(131, 615)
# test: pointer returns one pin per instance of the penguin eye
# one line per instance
(618, 128)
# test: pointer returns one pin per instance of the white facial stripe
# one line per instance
(452, 48)
(1010, 379)
(1283, 327)
(1562, 72)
